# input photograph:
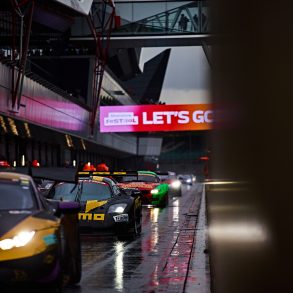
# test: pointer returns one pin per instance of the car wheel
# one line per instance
(75, 259)
(135, 229)
(56, 288)
(75, 271)
(165, 202)
(57, 285)
(71, 251)
(138, 223)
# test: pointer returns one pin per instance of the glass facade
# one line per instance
(162, 17)
(112, 90)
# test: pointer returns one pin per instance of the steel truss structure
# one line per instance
(101, 21)
(24, 10)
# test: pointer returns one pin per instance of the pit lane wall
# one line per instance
(43, 107)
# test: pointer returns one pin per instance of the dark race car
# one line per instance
(154, 192)
(186, 178)
(105, 208)
(39, 241)
(170, 178)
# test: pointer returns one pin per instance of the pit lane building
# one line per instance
(47, 88)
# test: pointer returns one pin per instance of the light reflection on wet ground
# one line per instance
(154, 262)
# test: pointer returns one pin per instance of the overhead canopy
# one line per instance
(81, 6)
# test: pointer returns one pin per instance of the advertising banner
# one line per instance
(145, 118)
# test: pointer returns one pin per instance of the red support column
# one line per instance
(102, 43)
(17, 86)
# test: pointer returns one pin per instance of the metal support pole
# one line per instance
(17, 88)
(102, 48)
(200, 16)
(207, 53)
(13, 52)
(24, 52)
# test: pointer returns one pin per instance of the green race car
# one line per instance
(153, 191)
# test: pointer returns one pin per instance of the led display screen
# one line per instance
(145, 118)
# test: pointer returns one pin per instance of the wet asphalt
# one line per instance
(157, 261)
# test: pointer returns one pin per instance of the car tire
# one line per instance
(138, 223)
(71, 250)
(165, 201)
(135, 229)
(75, 260)
(57, 285)
(75, 273)
(58, 288)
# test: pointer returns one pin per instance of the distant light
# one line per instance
(27, 130)
(221, 182)
(69, 141)
(83, 144)
(14, 164)
(3, 124)
(242, 231)
(204, 158)
(89, 163)
(22, 160)
(12, 126)
(154, 191)
(74, 163)
(176, 184)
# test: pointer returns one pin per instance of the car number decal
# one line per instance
(91, 217)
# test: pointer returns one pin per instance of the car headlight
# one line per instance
(176, 184)
(188, 180)
(20, 240)
(154, 191)
(117, 208)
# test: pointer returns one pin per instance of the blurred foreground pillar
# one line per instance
(250, 222)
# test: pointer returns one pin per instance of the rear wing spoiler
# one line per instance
(106, 173)
(110, 174)
(69, 175)
(51, 174)
(162, 173)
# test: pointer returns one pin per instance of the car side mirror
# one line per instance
(43, 191)
(69, 207)
(63, 207)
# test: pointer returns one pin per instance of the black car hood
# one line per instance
(9, 219)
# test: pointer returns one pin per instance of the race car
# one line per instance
(105, 208)
(4, 164)
(39, 241)
(153, 191)
(186, 178)
(171, 179)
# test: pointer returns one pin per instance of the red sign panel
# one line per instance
(145, 118)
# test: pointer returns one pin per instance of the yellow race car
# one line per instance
(39, 240)
(105, 208)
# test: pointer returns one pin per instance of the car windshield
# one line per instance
(167, 176)
(16, 195)
(185, 176)
(163, 177)
(139, 178)
(90, 190)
